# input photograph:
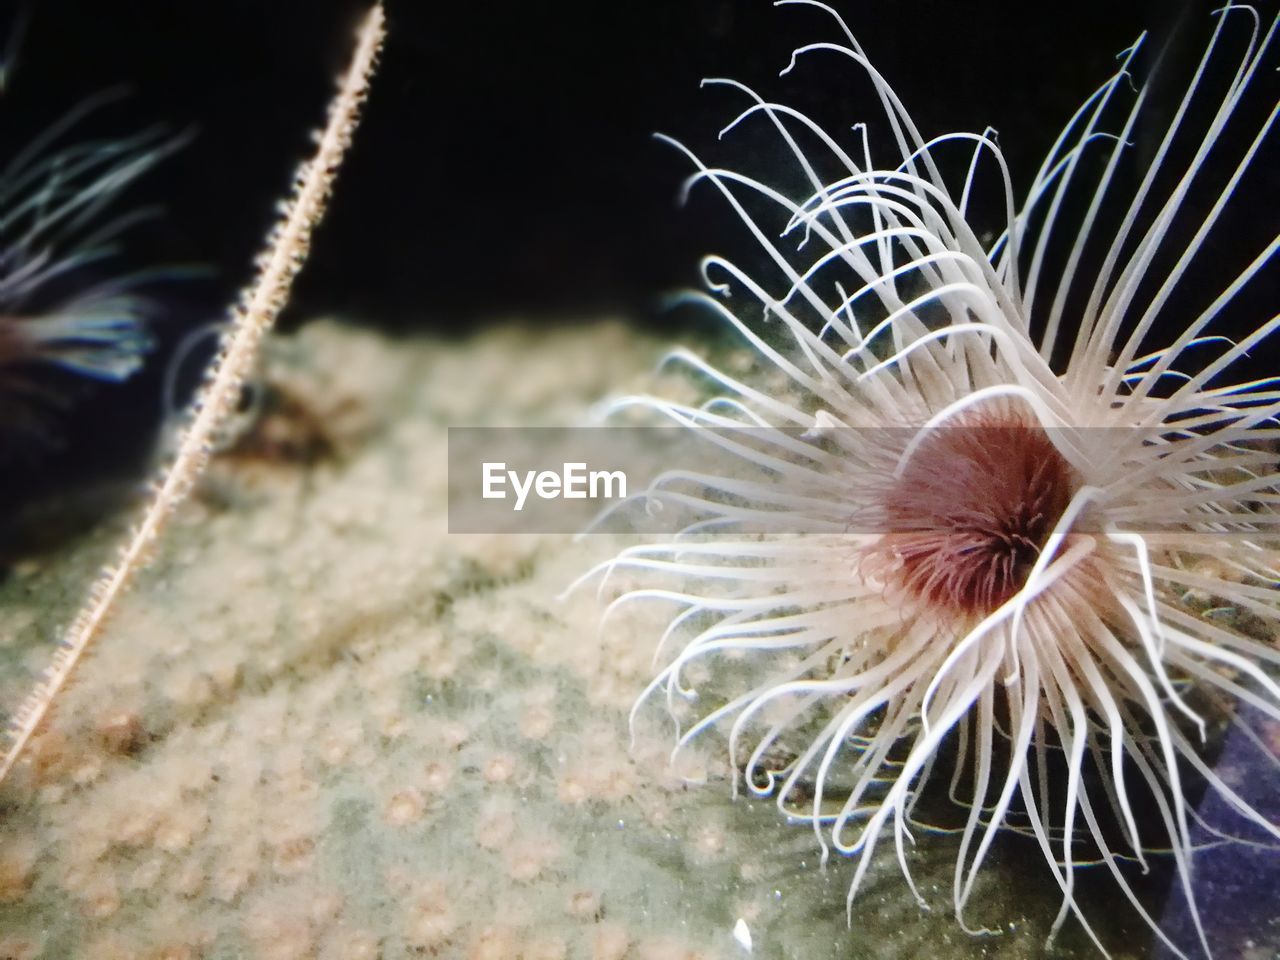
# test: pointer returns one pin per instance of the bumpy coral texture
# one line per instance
(321, 727)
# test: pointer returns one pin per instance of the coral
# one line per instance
(308, 740)
(318, 727)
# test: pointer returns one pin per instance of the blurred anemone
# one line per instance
(62, 305)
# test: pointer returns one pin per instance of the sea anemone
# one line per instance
(992, 514)
(62, 303)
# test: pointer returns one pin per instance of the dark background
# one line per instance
(505, 166)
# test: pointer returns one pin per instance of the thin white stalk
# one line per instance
(251, 318)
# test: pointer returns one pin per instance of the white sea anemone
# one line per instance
(989, 499)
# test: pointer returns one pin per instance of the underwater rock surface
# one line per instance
(322, 727)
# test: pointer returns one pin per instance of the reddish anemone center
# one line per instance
(968, 515)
